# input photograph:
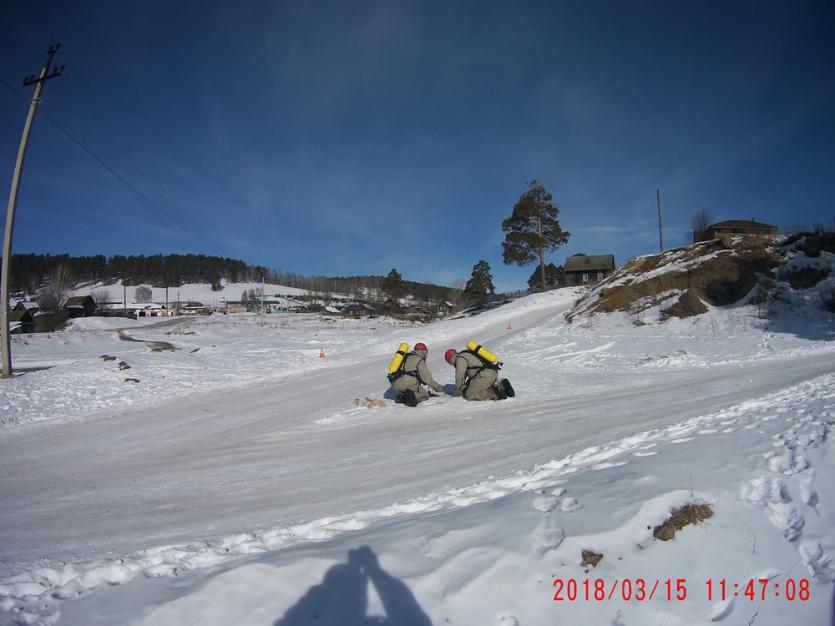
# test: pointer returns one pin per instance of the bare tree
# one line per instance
(101, 297)
(143, 294)
(701, 220)
(57, 289)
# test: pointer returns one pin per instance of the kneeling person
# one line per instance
(413, 374)
(476, 379)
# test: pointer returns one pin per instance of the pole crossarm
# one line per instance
(45, 73)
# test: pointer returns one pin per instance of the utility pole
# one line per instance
(18, 168)
(660, 224)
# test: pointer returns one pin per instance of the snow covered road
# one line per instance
(268, 454)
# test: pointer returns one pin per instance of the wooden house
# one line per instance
(21, 321)
(80, 306)
(734, 228)
(588, 269)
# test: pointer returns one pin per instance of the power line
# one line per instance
(143, 197)
(145, 170)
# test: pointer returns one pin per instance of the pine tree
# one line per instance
(480, 284)
(553, 277)
(393, 285)
(532, 229)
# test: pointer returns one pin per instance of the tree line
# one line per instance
(29, 273)
(33, 273)
(532, 230)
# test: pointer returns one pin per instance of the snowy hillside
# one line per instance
(795, 276)
(226, 477)
(192, 292)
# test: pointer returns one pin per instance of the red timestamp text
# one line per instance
(676, 589)
(626, 589)
(760, 589)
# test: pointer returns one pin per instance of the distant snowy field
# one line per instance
(225, 476)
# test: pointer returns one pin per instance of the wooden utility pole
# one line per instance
(18, 168)
(660, 223)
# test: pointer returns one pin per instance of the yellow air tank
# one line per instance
(483, 352)
(397, 360)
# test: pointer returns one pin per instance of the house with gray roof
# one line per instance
(588, 269)
(734, 228)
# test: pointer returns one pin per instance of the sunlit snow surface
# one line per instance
(237, 483)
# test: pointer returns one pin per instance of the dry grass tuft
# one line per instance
(590, 558)
(681, 517)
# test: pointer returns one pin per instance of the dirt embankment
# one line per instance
(717, 272)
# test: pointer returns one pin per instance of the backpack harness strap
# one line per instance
(403, 372)
(475, 369)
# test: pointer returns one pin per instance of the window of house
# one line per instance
(599, 275)
(585, 277)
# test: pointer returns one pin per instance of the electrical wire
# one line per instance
(148, 202)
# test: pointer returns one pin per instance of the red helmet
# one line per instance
(421, 346)
(449, 355)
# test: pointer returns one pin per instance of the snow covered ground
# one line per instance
(216, 471)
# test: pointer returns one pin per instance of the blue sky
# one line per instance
(345, 137)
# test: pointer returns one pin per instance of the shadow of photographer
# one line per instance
(341, 599)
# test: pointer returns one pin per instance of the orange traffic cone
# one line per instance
(321, 353)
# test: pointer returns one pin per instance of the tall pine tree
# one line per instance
(532, 229)
(553, 277)
(393, 285)
(480, 285)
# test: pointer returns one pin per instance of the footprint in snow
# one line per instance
(544, 503)
(569, 505)
(763, 490)
(818, 563)
(787, 518)
(788, 462)
(548, 535)
(808, 493)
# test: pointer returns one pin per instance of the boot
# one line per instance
(399, 399)
(409, 398)
(507, 388)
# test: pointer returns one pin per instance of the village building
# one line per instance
(21, 320)
(80, 306)
(734, 228)
(588, 269)
(357, 310)
(150, 309)
(24, 305)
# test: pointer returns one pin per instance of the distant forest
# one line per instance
(30, 273)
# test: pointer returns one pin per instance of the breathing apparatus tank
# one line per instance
(482, 352)
(397, 359)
